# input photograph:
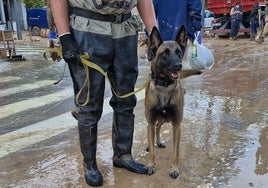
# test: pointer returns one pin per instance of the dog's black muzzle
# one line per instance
(177, 66)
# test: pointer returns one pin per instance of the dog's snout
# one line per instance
(178, 66)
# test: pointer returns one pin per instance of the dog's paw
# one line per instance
(174, 174)
(160, 145)
(150, 170)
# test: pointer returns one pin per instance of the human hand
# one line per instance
(69, 48)
(198, 36)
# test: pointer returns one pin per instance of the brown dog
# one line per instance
(164, 95)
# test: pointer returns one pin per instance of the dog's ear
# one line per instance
(181, 38)
(155, 38)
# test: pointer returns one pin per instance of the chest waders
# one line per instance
(118, 57)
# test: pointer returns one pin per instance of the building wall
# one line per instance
(13, 16)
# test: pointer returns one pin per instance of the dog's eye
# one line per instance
(178, 52)
(166, 52)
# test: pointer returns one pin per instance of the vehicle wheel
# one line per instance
(247, 35)
(36, 31)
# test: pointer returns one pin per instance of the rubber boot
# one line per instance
(252, 37)
(122, 138)
(88, 145)
(259, 38)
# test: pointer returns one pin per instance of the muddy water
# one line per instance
(224, 139)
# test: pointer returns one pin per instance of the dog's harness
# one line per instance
(161, 82)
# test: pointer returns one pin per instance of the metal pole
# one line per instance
(18, 19)
(9, 15)
(3, 18)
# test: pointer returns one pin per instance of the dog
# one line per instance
(164, 95)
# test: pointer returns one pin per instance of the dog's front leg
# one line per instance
(157, 133)
(151, 155)
(176, 147)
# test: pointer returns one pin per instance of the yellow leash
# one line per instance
(50, 50)
(59, 52)
(86, 63)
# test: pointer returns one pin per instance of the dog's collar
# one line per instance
(161, 82)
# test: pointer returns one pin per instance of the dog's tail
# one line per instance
(189, 72)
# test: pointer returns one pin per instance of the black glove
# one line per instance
(70, 51)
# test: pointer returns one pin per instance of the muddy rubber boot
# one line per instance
(122, 138)
(88, 145)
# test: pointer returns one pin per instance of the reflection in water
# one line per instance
(262, 154)
(105, 153)
(219, 118)
(54, 170)
(216, 137)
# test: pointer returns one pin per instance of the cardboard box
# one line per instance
(3, 53)
(6, 36)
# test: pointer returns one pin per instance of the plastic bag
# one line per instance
(200, 57)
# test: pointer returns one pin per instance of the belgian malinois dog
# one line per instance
(164, 95)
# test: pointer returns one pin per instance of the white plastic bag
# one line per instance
(200, 57)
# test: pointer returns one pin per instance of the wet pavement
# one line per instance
(224, 139)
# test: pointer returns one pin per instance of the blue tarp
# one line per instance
(37, 17)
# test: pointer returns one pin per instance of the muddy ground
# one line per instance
(224, 139)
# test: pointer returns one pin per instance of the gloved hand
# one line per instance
(52, 35)
(198, 36)
(70, 51)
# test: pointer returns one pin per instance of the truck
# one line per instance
(222, 20)
(37, 20)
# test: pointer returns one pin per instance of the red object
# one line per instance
(221, 9)
(224, 6)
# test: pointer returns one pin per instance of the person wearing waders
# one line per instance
(105, 30)
(254, 17)
(236, 14)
